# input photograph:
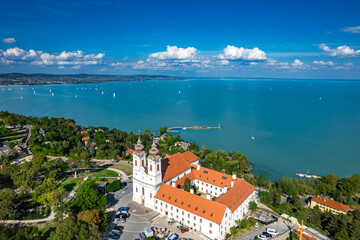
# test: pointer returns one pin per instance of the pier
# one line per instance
(175, 129)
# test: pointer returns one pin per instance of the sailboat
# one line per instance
(114, 94)
(252, 135)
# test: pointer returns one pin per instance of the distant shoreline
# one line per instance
(21, 79)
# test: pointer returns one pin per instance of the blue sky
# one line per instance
(286, 39)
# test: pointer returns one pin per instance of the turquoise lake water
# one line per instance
(298, 125)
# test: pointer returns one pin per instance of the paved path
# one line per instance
(121, 173)
(48, 219)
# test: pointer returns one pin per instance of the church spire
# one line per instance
(154, 151)
(139, 147)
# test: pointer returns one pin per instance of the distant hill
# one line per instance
(44, 79)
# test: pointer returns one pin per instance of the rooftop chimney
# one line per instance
(208, 196)
(232, 183)
(234, 176)
(173, 184)
(191, 190)
(198, 167)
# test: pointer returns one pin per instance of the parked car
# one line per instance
(184, 229)
(180, 227)
(171, 222)
(120, 228)
(115, 231)
(142, 235)
(257, 224)
(262, 237)
(123, 210)
(272, 231)
(173, 236)
(121, 220)
(115, 236)
(268, 235)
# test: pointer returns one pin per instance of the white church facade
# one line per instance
(157, 183)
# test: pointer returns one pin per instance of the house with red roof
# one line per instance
(328, 205)
(158, 183)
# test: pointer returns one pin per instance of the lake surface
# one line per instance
(298, 125)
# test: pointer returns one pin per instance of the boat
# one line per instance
(252, 135)
(319, 98)
(102, 92)
(114, 94)
(52, 94)
(75, 96)
(179, 92)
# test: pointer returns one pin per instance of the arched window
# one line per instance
(158, 167)
(143, 163)
(150, 167)
(135, 163)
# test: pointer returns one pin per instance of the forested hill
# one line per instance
(43, 79)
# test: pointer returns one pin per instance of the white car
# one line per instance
(272, 231)
(262, 237)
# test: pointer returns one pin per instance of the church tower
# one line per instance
(154, 174)
(139, 173)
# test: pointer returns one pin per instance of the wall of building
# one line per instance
(325, 208)
(208, 228)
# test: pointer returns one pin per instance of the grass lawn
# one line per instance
(99, 173)
(125, 168)
(70, 183)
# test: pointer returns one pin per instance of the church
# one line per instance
(220, 199)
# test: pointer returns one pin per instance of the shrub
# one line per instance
(114, 186)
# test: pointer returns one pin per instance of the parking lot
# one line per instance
(281, 226)
(137, 223)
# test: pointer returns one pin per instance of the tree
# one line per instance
(7, 203)
(233, 231)
(114, 186)
(187, 184)
(88, 198)
(252, 206)
(91, 217)
(163, 130)
(69, 229)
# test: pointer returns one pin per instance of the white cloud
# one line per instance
(9, 40)
(297, 63)
(352, 29)
(175, 53)
(341, 51)
(323, 63)
(76, 67)
(76, 58)
(235, 53)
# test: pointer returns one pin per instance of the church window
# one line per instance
(210, 231)
(210, 224)
(135, 163)
(156, 201)
(150, 195)
(143, 162)
(182, 213)
(188, 215)
(150, 168)
(136, 190)
(158, 167)
(200, 220)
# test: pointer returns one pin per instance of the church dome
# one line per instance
(139, 146)
(154, 151)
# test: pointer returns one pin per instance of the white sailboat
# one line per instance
(114, 94)
(252, 135)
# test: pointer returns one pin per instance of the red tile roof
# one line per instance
(129, 151)
(189, 157)
(120, 158)
(83, 132)
(234, 197)
(330, 203)
(192, 203)
(171, 166)
(180, 183)
(85, 138)
(213, 177)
